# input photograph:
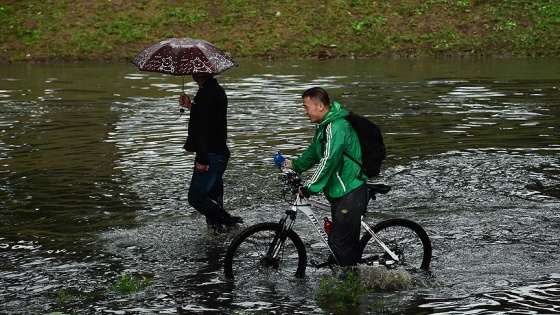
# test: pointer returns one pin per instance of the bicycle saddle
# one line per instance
(378, 188)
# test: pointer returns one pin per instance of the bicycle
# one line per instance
(274, 248)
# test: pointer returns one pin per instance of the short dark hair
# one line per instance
(318, 94)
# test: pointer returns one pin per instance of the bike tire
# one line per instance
(404, 237)
(246, 256)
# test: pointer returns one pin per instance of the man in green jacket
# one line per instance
(341, 180)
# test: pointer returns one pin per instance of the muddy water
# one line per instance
(94, 181)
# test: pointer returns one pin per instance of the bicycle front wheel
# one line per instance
(250, 254)
(406, 238)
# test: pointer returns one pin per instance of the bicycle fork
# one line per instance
(279, 239)
(374, 236)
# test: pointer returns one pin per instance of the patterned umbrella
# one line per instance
(183, 56)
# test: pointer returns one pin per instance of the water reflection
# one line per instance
(95, 180)
(539, 298)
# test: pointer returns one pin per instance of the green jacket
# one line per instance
(335, 174)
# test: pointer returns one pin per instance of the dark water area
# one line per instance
(94, 180)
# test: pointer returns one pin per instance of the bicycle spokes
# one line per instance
(403, 239)
(261, 251)
(268, 262)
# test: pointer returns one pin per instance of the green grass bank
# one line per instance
(56, 30)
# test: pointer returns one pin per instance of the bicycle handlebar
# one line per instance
(291, 179)
(293, 182)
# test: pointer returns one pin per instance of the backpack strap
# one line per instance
(353, 159)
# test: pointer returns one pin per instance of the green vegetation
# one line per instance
(344, 294)
(65, 297)
(52, 30)
(129, 284)
(125, 284)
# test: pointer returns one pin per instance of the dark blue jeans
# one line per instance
(206, 191)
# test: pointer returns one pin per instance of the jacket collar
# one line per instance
(335, 112)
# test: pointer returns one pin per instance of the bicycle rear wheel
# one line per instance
(405, 238)
(249, 254)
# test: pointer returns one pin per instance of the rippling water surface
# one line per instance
(94, 183)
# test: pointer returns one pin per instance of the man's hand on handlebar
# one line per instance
(303, 192)
(288, 164)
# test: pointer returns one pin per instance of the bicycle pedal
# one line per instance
(390, 264)
(316, 264)
(371, 260)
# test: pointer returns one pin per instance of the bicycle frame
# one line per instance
(304, 205)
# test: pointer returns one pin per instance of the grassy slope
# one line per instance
(51, 30)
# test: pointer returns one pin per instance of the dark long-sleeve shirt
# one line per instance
(208, 122)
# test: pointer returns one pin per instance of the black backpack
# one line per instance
(371, 142)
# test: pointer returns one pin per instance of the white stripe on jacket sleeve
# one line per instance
(326, 155)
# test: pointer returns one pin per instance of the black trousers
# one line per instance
(344, 237)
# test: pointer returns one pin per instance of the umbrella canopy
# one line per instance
(183, 56)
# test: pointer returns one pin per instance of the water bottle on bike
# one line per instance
(279, 160)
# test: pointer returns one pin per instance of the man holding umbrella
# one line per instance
(208, 118)
(207, 137)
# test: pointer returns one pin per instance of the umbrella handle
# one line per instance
(181, 115)
(182, 110)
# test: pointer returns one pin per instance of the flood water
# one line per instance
(94, 183)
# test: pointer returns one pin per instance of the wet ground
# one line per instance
(95, 184)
